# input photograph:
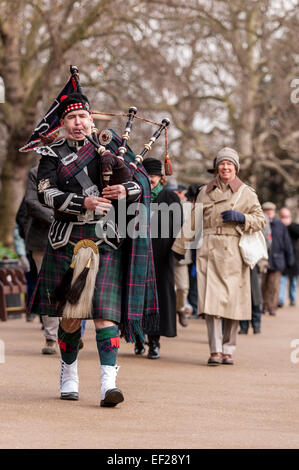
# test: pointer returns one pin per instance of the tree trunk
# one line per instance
(13, 181)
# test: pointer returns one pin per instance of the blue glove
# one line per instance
(233, 216)
(193, 270)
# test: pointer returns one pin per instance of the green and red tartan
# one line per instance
(107, 298)
(125, 290)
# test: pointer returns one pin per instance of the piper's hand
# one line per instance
(117, 191)
(100, 205)
(233, 216)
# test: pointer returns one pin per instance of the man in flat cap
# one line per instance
(280, 256)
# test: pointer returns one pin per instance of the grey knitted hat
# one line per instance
(226, 153)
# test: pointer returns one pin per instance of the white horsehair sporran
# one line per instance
(85, 263)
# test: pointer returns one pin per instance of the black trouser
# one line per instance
(255, 320)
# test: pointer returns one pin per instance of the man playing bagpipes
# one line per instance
(86, 271)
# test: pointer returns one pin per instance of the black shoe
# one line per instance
(183, 319)
(30, 317)
(293, 303)
(154, 347)
(280, 305)
(139, 348)
(74, 396)
(243, 332)
(112, 398)
(256, 331)
(153, 352)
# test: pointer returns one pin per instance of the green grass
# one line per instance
(7, 252)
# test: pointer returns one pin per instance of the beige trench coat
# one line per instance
(223, 278)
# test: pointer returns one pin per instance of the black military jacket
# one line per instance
(65, 195)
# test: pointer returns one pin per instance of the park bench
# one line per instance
(12, 285)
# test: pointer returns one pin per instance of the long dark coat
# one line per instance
(281, 253)
(163, 257)
(39, 217)
(293, 230)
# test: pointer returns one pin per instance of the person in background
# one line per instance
(280, 256)
(191, 195)
(26, 261)
(165, 224)
(256, 287)
(181, 276)
(181, 191)
(290, 274)
(256, 303)
(36, 238)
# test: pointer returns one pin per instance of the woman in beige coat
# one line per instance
(229, 209)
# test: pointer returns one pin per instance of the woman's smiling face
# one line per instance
(227, 171)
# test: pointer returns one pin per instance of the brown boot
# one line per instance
(50, 347)
(183, 318)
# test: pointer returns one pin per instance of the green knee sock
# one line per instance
(69, 344)
(108, 344)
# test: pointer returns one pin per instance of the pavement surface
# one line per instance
(176, 402)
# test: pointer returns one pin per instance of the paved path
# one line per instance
(174, 402)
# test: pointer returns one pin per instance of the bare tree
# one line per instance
(221, 70)
(36, 37)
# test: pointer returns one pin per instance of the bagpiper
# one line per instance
(91, 270)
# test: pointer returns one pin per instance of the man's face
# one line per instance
(285, 216)
(74, 122)
(181, 194)
(270, 213)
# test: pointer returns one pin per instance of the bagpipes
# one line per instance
(114, 171)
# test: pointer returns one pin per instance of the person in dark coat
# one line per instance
(165, 225)
(256, 303)
(256, 287)
(290, 273)
(280, 256)
(27, 263)
(191, 196)
(36, 238)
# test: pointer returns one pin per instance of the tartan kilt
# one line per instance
(107, 299)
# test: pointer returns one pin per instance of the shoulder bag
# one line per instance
(252, 246)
